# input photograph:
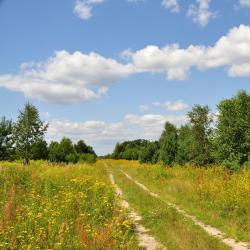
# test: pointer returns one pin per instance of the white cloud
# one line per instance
(201, 14)
(172, 5)
(244, 3)
(103, 135)
(171, 59)
(143, 108)
(79, 77)
(67, 78)
(172, 106)
(83, 8)
(232, 50)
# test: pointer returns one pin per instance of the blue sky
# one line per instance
(111, 70)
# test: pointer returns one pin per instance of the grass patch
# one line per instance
(212, 194)
(167, 225)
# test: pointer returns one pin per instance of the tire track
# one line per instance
(209, 229)
(145, 240)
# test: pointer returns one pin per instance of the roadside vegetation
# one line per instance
(165, 223)
(214, 195)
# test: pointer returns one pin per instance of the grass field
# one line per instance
(60, 207)
(215, 196)
(44, 206)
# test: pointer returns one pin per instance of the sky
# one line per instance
(106, 71)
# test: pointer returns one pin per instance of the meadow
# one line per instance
(213, 194)
(74, 206)
(46, 206)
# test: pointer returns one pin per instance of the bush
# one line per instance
(72, 158)
(89, 158)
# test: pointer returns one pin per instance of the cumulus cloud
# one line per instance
(83, 8)
(201, 14)
(171, 59)
(231, 51)
(104, 135)
(79, 77)
(172, 5)
(67, 78)
(172, 106)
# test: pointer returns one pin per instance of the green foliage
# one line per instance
(88, 158)
(150, 153)
(184, 142)
(66, 152)
(6, 139)
(200, 120)
(233, 129)
(82, 148)
(168, 144)
(54, 152)
(28, 130)
(39, 150)
(129, 150)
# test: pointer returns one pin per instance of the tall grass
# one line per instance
(60, 207)
(215, 195)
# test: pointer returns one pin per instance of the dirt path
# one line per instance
(145, 240)
(209, 229)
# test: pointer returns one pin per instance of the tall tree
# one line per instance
(6, 139)
(232, 140)
(28, 130)
(39, 150)
(168, 144)
(184, 142)
(200, 120)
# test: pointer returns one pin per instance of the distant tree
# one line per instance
(28, 130)
(184, 143)
(150, 153)
(232, 136)
(39, 150)
(6, 139)
(55, 154)
(119, 149)
(81, 147)
(66, 148)
(168, 144)
(200, 120)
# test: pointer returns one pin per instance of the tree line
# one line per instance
(24, 140)
(205, 139)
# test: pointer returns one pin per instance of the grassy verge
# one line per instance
(60, 207)
(169, 227)
(211, 194)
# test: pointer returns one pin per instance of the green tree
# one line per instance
(28, 130)
(82, 148)
(6, 139)
(232, 136)
(168, 144)
(39, 150)
(184, 142)
(150, 153)
(66, 148)
(200, 120)
(55, 154)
